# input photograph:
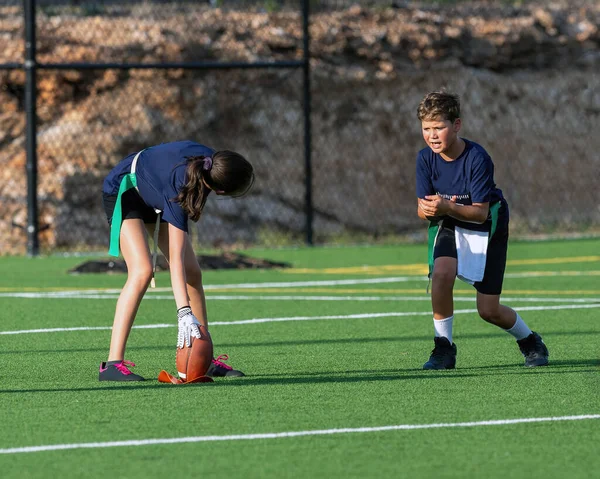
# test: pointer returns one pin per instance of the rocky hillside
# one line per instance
(528, 77)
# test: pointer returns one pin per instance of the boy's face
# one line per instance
(440, 134)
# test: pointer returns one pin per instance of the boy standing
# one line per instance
(468, 230)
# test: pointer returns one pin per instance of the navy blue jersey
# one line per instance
(160, 174)
(470, 178)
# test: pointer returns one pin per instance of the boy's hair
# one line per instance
(439, 104)
(227, 172)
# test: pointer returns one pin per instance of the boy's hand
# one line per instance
(435, 205)
(188, 327)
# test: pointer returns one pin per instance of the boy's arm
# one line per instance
(424, 186)
(422, 214)
(475, 213)
(435, 205)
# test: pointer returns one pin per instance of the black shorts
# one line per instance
(495, 265)
(132, 206)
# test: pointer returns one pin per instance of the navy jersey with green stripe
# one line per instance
(160, 174)
(470, 178)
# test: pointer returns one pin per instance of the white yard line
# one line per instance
(295, 284)
(298, 318)
(290, 434)
(81, 294)
(208, 287)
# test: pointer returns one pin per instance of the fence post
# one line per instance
(307, 123)
(31, 128)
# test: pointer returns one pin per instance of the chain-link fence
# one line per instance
(210, 84)
(369, 69)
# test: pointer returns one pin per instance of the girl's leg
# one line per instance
(195, 291)
(134, 247)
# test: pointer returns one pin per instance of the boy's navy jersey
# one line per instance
(470, 178)
(160, 173)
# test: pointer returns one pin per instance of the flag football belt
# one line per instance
(130, 181)
(434, 228)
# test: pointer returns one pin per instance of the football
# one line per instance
(193, 361)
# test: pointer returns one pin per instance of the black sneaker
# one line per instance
(534, 350)
(219, 369)
(118, 372)
(443, 355)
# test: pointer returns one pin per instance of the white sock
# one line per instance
(520, 330)
(443, 328)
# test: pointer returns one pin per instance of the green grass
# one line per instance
(307, 375)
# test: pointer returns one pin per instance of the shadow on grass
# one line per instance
(323, 377)
(560, 363)
(300, 342)
(311, 378)
(429, 338)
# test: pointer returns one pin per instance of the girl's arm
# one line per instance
(177, 243)
(188, 325)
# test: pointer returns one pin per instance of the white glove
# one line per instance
(188, 327)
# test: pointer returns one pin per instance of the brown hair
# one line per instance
(228, 173)
(439, 104)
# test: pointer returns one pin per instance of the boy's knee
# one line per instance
(443, 276)
(488, 312)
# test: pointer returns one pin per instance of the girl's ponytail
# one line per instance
(225, 173)
(192, 196)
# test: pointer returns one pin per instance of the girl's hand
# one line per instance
(188, 327)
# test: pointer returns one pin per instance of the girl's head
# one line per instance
(225, 172)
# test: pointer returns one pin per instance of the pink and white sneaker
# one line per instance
(219, 369)
(118, 372)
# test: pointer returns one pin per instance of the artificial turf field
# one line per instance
(332, 349)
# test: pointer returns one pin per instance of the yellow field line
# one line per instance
(557, 273)
(574, 259)
(334, 290)
(329, 289)
(407, 270)
(557, 291)
(33, 289)
(410, 269)
(420, 268)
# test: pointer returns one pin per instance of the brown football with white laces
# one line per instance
(193, 361)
